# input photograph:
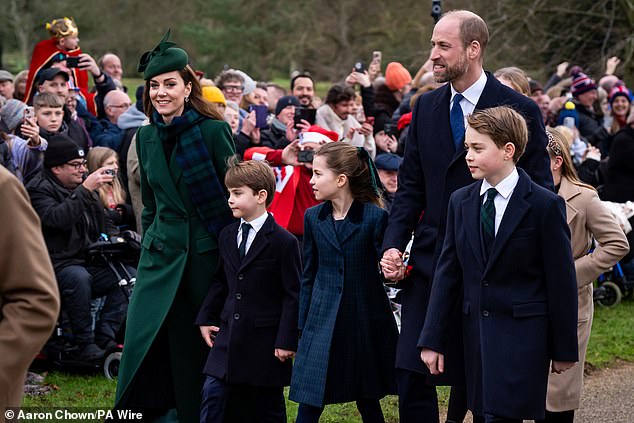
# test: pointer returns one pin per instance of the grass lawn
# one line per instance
(612, 338)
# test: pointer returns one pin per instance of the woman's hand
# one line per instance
(248, 124)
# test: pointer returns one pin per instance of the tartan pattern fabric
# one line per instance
(205, 189)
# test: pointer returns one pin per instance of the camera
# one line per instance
(72, 61)
(359, 67)
(305, 156)
(436, 10)
(110, 172)
(390, 129)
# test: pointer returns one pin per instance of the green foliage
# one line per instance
(270, 38)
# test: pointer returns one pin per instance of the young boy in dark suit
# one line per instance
(249, 317)
(507, 257)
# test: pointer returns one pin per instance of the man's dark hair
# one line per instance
(338, 93)
(301, 75)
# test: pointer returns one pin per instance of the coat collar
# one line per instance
(568, 191)
(260, 242)
(471, 218)
(516, 209)
(351, 223)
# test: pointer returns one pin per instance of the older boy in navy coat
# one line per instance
(507, 257)
(249, 316)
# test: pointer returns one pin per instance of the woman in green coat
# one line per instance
(182, 160)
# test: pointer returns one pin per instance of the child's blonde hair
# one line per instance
(503, 125)
(97, 156)
(47, 100)
(345, 159)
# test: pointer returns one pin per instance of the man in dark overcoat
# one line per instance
(433, 168)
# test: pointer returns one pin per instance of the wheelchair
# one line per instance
(61, 352)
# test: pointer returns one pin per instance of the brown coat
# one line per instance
(587, 218)
(29, 298)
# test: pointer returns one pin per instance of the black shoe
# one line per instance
(90, 352)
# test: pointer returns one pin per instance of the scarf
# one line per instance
(205, 189)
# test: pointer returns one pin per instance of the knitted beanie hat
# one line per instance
(11, 115)
(581, 83)
(618, 90)
(396, 76)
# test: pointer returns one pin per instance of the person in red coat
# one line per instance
(63, 44)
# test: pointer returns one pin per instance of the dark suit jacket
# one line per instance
(520, 305)
(255, 304)
(432, 169)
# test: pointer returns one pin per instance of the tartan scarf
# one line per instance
(205, 189)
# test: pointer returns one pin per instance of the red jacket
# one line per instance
(293, 193)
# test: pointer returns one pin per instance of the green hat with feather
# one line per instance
(165, 57)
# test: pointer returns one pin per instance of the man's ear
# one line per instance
(474, 50)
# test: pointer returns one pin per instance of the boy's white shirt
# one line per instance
(505, 189)
(256, 225)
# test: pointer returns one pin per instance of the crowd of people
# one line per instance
(271, 219)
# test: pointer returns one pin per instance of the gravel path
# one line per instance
(608, 396)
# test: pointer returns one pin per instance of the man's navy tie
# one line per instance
(456, 119)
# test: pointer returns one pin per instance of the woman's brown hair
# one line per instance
(558, 147)
(196, 99)
(345, 159)
(97, 156)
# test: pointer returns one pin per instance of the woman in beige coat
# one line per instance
(587, 219)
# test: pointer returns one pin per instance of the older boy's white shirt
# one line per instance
(505, 189)
(471, 96)
(256, 225)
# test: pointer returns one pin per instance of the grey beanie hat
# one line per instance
(11, 115)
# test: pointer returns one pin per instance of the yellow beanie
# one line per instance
(214, 95)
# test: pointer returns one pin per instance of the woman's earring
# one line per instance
(186, 99)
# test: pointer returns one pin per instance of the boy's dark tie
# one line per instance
(243, 243)
(487, 219)
(456, 119)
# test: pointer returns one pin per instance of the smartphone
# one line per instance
(261, 113)
(359, 66)
(389, 129)
(376, 57)
(370, 120)
(305, 156)
(72, 61)
(29, 113)
(304, 113)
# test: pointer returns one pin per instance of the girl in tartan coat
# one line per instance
(348, 334)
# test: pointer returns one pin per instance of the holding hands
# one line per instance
(392, 265)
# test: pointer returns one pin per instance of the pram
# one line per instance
(61, 352)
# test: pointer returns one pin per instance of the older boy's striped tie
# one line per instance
(487, 219)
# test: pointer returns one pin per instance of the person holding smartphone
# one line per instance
(281, 131)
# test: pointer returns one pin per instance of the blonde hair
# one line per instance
(558, 147)
(517, 78)
(97, 156)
